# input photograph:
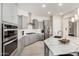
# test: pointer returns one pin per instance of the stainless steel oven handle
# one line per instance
(9, 42)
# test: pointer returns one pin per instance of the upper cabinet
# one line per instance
(0, 29)
(0, 10)
(10, 13)
(0, 15)
(14, 13)
(6, 12)
(35, 24)
(23, 22)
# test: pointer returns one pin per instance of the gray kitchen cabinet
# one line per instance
(33, 38)
(23, 22)
(0, 42)
(0, 23)
(41, 36)
(9, 13)
(6, 12)
(0, 37)
(27, 40)
(30, 38)
(0, 10)
(40, 25)
(0, 29)
(21, 44)
(14, 13)
(35, 24)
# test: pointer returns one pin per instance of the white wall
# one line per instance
(57, 25)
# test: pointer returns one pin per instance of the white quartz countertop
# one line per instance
(28, 31)
(58, 48)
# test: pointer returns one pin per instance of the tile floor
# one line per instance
(36, 49)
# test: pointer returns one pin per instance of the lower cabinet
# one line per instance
(33, 38)
(30, 38)
(41, 36)
(0, 37)
(27, 40)
(21, 44)
(0, 43)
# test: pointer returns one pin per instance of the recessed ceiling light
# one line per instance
(60, 4)
(43, 5)
(49, 12)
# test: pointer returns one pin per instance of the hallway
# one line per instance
(36, 49)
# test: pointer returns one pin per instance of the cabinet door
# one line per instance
(10, 13)
(0, 42)
(0, 15)
(35, 26)
(0, 10)
(6, 12)
(20, 45)
(0, 23)
(0, 36)
(24, 22)
(33, 38)
(14, 13)
(23, 42)
(27, 40)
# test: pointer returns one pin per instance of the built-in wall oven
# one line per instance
(9, 38)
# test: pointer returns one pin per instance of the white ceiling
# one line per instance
(36, 8)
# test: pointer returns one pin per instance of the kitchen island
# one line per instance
(54, 48)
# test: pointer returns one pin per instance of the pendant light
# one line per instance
(78, 11)
(72, 19)
(76, 17)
